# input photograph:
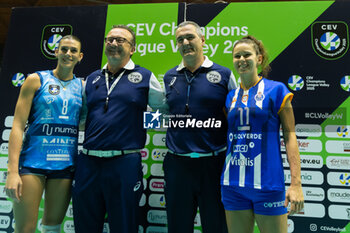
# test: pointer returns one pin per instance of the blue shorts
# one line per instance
(66, 173)
(261, 202)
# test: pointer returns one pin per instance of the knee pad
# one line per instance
(51, 229)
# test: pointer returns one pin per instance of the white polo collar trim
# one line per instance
(129, 66)
(207, 64)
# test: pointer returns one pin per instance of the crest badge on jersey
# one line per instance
(135, 77)
(259, 96)
(330, 40)
(54, 89)
(245, 99)
(51, 36)
(214, 77)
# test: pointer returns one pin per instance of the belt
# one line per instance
(108, 153)
(199, 155)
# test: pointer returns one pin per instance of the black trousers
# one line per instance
(191, 183)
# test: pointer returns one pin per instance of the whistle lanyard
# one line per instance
(189, 82)
(109, 90)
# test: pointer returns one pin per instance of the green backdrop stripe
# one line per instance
(277, 24)
(154, 32)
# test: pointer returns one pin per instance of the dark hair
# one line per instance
(198, 28)
(259, 49)
(69, 37)
(133, 40)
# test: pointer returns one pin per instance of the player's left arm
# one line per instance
(84, 110)
(294, 194)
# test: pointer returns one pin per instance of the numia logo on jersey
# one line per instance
(242, 161)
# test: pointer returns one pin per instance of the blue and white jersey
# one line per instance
(51, 138)
(203, 93)
(253, 157)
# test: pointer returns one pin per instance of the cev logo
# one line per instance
(342, 131)
(162, 201)
(18, 79)
(295, 82)
(156, 154)
(345, 83)
(159, 154)
(344, 179)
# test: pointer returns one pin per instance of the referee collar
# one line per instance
(129, 66)
(207, 64)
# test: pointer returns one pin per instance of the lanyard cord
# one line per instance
(109, 90)
(189, 82)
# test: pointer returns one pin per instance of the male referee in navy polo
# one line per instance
(195, 89)
(108, 176)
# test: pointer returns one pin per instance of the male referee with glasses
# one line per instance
(108, 176)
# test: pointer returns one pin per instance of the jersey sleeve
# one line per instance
(282, 95)
(229, 100)
(232, 82)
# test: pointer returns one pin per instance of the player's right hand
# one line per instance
(13, 187)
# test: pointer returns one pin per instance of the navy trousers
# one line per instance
(107, 185)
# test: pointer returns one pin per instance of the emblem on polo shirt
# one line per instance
(214, 77)
(135, 77)
(172, 81)
(54, 89)
(96, 79)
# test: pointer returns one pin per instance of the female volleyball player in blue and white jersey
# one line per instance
(51, 102)
(253, 178)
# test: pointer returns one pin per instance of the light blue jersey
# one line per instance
(253, 156)
(51, 138)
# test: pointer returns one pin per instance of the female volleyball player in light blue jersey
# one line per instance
(51, 102)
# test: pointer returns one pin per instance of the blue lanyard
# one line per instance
(189, 82)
